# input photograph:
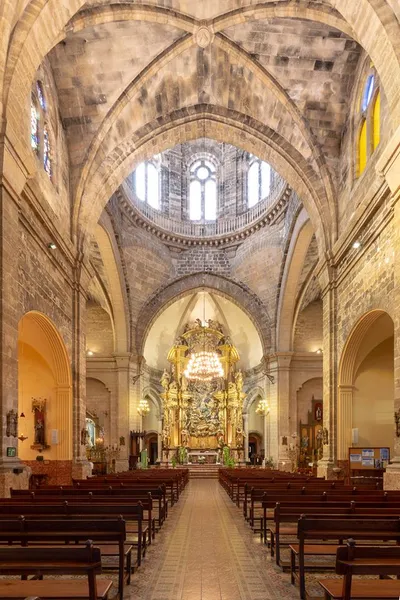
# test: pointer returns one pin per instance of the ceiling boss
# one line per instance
(203, 392)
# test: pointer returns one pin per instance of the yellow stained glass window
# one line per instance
(362, 148)
(376, 121)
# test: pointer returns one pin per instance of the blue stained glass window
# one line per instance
(40, 95)
(46, 152)
(368, 91)
(34, 127)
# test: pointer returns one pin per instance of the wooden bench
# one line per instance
(158, 495)
(286, 519)
(109, 533)
(145, 500)
(310, 530)
(297, 503)
(364, 560)
(53, 561)
(132, 513)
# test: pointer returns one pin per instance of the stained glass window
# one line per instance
(203, 191)
(34, 127)
(258, 182)
(368, 91)
(46, 152)
(40, 95)
(147, 184)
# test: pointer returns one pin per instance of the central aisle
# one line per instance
(206, 551)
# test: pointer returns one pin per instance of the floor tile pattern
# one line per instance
(206, 551)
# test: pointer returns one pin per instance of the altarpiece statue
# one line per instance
(202, 414)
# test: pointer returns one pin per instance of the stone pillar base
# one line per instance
(122, 464)
(391, 478)
(13, 474)
(81, 469)
(326, 468)
(284, 464)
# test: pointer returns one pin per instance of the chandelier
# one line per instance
(262, 408)
(143, 408)
(204, 365)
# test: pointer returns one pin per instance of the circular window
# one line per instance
(202, 173)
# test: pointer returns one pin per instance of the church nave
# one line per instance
(206, 551)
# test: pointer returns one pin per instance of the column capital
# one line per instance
(122, 359)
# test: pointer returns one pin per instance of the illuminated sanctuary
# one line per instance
(203, 394)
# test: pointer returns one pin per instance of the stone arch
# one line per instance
(110, 256)
(252, 395)
(299, 244)
(234, 291)
(154, 396)
(346, 373)
(39, 331)
(221, 125)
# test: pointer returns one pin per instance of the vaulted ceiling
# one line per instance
(126, 69)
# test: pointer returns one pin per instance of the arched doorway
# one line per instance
(44, 400)
(366, 385)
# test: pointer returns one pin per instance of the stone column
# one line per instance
(389, 166)
(246, 437)
(80, 465)
(329, 368)
(122, 409)
(344, 420)
(13, 473)
(279, 394)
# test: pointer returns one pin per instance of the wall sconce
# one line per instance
(52, 246)
(22, 437)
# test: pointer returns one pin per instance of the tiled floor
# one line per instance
(206, 551)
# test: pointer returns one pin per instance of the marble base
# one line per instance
(81, 469)
(325, 469)
(391, 478)
(13, 474)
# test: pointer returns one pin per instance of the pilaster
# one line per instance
(389, 166)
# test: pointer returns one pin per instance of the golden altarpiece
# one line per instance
(203, 415)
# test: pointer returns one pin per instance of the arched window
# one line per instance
(34, 126)
(258, 181)
(369, 121)
(146, 181)
(203, 191)
(40, 128)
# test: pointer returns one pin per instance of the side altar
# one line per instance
(203, 413)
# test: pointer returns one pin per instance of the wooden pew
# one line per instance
(65, 510)
(286, 519)
(145, 500)
(53, 561)
(158, 495)
(364, 560)
(299, 502)
(311, 529)
(110, 534)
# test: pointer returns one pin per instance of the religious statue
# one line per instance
(239, 437)
(239, 380)
(325, 436)
(38, 409)
(12, 423)
(165, 379)
(184, 438)
(220, 439)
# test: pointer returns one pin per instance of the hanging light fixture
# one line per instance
(262, 408)
(143, 408)
(204, 363)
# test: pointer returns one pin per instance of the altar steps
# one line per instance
(203, 471)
